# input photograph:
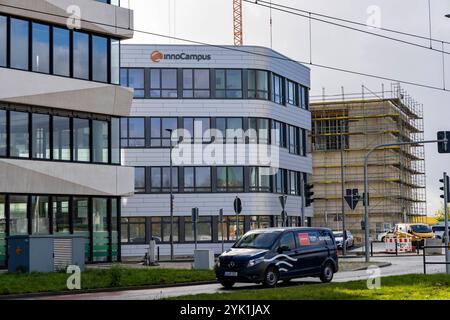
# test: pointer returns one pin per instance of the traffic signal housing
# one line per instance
(445, 188)
(308, 194)
(443, 147)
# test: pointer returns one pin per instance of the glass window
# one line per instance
(133, 230)
(294, 140)
(259, 130)
(19, 44)
(198, 128)
(132, 132)
(230, 228)
(115, 61)
(80, 55)
(3, 133)
(293, 183)
(258, 84)
(259, 179)
(277, 89)
(115, 141)
(287, 240)
(139, 179)
(100, 229)
(166, 179)
(61, 215)
(230, 179)
(166, 229)
(197, 179)
(100, 141)
(228, 83)
(81, 135)
(115, 229)
(81, 221)
(2, 230)
(18, 221)
(3, 44)
(61, 138)
(204, 229)
(280, 181)
(19, 136)
(156, 229)
(40, 48)
(304, 95)
(134, 78)
(163, 83)
(196, 83)
(159, 135)
(99, 59)
(40, 221)
(292, 98)
(61, 52)
(40, 136)
(231, 128)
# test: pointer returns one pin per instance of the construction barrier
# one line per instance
(398, 245)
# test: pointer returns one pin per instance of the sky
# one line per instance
(210, 21)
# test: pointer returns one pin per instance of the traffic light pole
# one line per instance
(366, 185)
(447, 252)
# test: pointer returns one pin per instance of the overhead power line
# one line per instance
(313, 16)
(238, 49)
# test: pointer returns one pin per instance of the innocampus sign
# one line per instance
(157, 56)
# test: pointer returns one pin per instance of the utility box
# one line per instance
(45, 253)
(204, 259)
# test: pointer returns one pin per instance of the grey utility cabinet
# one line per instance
(45, 253)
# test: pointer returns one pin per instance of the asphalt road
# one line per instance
(399, 265)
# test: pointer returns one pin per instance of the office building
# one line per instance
(60, 109)
(197, 88)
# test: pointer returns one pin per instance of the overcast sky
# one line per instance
(210, 21)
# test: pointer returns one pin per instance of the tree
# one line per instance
(440, 214)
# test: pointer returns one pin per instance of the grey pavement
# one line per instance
(399, 265)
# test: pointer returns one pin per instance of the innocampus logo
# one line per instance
(157, 56)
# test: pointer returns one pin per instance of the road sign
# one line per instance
(352, 198)
(443, 147)
(283, 200)
(237, 205)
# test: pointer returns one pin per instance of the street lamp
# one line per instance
(171, 195)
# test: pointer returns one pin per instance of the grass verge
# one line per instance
(115, 277)
(405, 287)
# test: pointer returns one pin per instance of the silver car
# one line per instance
(339, 237)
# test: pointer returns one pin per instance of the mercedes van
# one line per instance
(269, 255)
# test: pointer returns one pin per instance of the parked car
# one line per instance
(339, 238)
(269, 255)
(382, 236)
(439, 231)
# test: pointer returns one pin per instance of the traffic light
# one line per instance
(443, 147)
(308, 194)
(445, 188)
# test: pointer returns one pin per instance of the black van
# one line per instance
(269, 255)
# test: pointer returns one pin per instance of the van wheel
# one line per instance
(227, 284)
(327, 273)
(271, 277)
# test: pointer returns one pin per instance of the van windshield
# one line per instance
(258, 240)
(420, 228)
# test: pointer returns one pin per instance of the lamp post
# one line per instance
(170, 131)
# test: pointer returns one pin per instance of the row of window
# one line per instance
(96, 218)
(218, 179)
(156, 83)
(113, 2)
(140, 230)
(34, 46)
(48, 134)
(154, 132)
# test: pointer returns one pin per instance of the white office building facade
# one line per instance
(203, 93)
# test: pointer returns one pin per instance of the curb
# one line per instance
(382, 265)
(119, 289)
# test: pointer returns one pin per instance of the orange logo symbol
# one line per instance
(156, 56)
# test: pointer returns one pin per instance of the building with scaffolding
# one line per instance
(344, 128)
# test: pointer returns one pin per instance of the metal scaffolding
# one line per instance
(348, 125)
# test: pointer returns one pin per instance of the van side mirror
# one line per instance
(282, 249)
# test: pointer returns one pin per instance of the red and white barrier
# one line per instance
(402, 244)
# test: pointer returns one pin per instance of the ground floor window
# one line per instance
(96, 218)
(204, 229)
(133, 230)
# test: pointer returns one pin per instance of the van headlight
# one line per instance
(254, 262)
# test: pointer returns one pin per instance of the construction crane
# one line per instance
(237, 23)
